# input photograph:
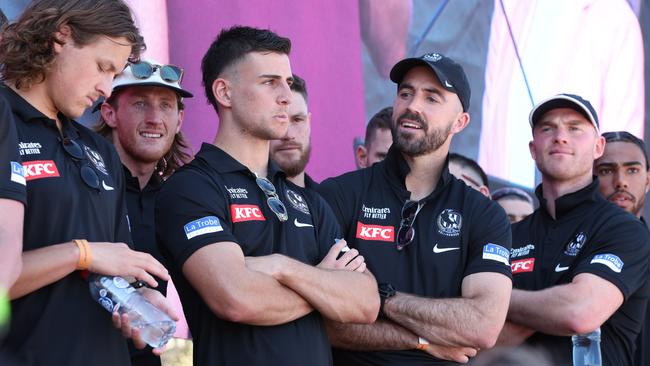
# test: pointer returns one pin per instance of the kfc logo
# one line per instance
(246, 213)
(38, 169)
(375, 232)
(522, 265)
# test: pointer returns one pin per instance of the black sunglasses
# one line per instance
(88, 175)
(144, 70)
(406, 231)
(272, 198)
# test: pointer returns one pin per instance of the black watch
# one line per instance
(386, 290)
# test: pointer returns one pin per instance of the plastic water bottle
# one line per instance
(115, 294)
(586, 349)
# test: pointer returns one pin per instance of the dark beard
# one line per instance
(298, 166)
(412, 147)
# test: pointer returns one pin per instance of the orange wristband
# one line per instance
(85, 254)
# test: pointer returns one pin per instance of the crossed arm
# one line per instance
(276, 289)
(574, 308)
(455, 327)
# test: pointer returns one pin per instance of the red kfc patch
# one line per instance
(375, 232)
(246, 213)
(522, 265)
(38, 169)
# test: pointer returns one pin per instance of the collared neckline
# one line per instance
(132, 183)
(222, 162)
(566, 204)
(396, 169)
(27, 112)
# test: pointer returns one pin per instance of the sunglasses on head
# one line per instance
(169, 73)
(406, 231)
(272, 198)
(88, 175)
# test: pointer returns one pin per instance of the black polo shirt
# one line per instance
(458, 232)
(642, 354)
(60, 324)
(141, 205)
(590, 235)
(215, 199)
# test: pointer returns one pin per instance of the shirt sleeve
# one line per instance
(188, 219)
(12, 175)
(619, 255)
(333, 194)
(327, 227)
(490, 240)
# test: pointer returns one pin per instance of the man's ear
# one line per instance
(222, 91)
(485, 190)
(61, 37)
(361, 156)
(109, 115)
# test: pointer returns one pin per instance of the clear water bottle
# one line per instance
(586, 349)
(115, 294)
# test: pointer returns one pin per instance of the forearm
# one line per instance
(513, 334)
(11, 241)
(547, 311)
(265, 301)
(43, 266)
(340, 295)
(457, 322)
(380, 335)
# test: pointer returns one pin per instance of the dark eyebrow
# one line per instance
(631, 163)
(428, 90)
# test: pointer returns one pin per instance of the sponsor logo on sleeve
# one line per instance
(375, 232)
(497, 253)
(450, 222)
(204, 225)
(241, 213)
(522, 265)
(38, 169)
(17, 173)
(612, 261)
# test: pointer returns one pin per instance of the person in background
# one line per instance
(470, 172)
(515, 201)
(378, 139)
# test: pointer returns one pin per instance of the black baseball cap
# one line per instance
(575, 102)
(449, 72)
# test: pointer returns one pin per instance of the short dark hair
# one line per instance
(512, 192)
(299, 86)
(28, 44)
(380, 121)
(624, 136)
(231, 46)
(466, 162)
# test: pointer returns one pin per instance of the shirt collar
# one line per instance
(570, 201)
(27, 112)
(222, 162)
(132, 183)
(396, 169)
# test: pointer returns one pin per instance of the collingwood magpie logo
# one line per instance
(433, 57)
(450, 222)
(297, 201)
(96, 159)
(576, 244)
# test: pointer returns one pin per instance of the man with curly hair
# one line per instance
(143, 118)
(57, 59)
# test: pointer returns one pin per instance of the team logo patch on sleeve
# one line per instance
(204, 225)
(610, 260)
(17, 173)
(497, 253)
